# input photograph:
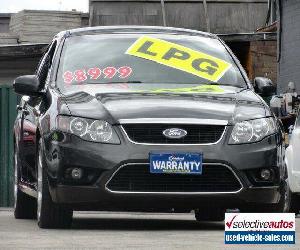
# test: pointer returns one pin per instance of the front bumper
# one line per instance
(105, 159)
(95, 197)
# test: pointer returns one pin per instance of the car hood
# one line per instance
(231, 105)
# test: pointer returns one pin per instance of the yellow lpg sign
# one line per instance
(179, 57)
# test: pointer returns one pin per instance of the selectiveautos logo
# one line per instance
(259, 228)
(229, 223)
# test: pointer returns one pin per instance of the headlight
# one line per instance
(252, 131)
(88, 129)
(79, 126)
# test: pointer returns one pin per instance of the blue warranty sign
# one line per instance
(177, 163)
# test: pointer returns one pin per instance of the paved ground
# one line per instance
(120, 231)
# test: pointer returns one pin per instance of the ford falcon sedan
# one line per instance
(134, 118)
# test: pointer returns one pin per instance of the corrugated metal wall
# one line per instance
(288, 68)
(226, 16)
(8, 102)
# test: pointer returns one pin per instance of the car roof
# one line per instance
(134, 29)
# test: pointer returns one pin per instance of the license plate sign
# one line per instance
(176, 163)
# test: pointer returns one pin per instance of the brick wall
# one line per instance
(263, 55)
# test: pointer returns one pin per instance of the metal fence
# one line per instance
(8, 102)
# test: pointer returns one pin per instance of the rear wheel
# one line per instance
(24, 205)
(210, 214)
(49, 214)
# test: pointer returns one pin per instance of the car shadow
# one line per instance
(140, 224)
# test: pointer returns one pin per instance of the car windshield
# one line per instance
(151, 61)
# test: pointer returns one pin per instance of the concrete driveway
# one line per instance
(105, 230)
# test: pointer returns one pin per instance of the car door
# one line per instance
(293, 158)
(27, 140)
(29, 116)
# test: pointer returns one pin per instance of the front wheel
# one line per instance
(49, 214)
(210, 214)
(295, 203)
(283, 206)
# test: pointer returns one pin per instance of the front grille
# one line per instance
(137, 178)
(153, 133)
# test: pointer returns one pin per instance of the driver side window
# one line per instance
(45, 64)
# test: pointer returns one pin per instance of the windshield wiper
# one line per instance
(220, 84)
(214, 83)
(211, 83)
(133, 81)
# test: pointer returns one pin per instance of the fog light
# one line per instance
(76, 173)
(265, 174)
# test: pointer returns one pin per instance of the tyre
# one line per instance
(210, 214)
(283, 206)
(24, 205)
(295, 203)
(49, 214)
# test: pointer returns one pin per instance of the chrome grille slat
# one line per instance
(136, 178)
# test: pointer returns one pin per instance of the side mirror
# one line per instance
(27, 85)
(264, 86)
